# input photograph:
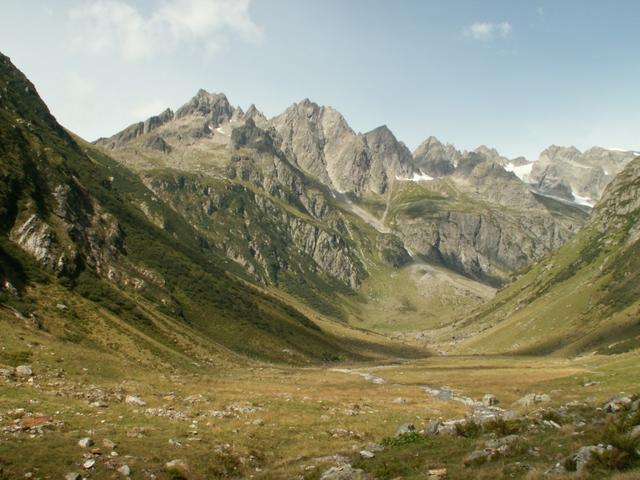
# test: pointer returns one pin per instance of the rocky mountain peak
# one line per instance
(214, 106)
(436, 159)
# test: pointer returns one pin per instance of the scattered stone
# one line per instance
(7, 372)
(89, 463)
(111, 445)
(99, 404)
(367, 454)
(177, 466)
(124, 470)
(533, 398)
(432, 427)
(62, 306)
(635, 406)
(617, 404)
(503, 444)
(343, 472)
(72, 476)
(584, 455)
(479, 457)
(635, 432)
(437, 474)
(489, 400)
(174, 443)
(374, 447)
(134, 400)
(24, 371)
(86, 442)
(406, 428)
(258, 422)
(399, 401)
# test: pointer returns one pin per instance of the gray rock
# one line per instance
(532, 399)
(99, 404)
(635, 432)
(343, 472)
(73, 476)
(437, 474)
(89, 464)
(480, 457)
(489, 400)
(406, 428)
(24, 371)
(7, 372)
(178, 466)
(367, 454)
(584, 455)
(134, 400)
(617, 404)
(124, 470)
(86, 442)
(111, 445)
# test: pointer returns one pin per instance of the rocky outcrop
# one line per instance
(435, 159)
(136, 130)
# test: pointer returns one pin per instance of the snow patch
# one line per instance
(582, 200)
(417, 177)
(521, 171)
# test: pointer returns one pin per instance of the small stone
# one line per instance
(124, 470)
(437, 474)
(100, 404)
(406, 428)
(111, 445)
(489, 400)
(89, 463)
(23, 371)
(7, 372)
(72, 476)
(258, 422)
(177, 466)
(399, 401)
(367, 454)
(62, 306)
(134, 400)
(86, 442)
(635, 432)
(343, 472)
(479, 457)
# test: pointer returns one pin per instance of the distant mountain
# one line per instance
(568, 173)
(584, 297)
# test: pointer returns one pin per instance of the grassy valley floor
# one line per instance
(234, 418)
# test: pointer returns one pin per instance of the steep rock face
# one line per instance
(213, 107)
(46, 211)
(321, 143)
(567, 172)
(274, 245)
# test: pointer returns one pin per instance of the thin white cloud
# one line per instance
(485, 31)
(102, 26)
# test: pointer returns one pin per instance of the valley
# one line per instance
(212, 293)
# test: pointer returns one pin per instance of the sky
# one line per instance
(515, 75)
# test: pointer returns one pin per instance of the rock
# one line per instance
(367, 454)
(89, 463)
(432, 427)
(374, 447)
(635, 406)
(134, 400)
(437, 474)
(258, 422)
(617, 404)
(62, 307)
(73, 476)
(24, 371)
(406, 428)
(177, 466)
(489, 400)
(111, 445)
(584, 455)
(399, 401)
(99, 404)
(503, 444)
(531, 399)
(86, 442)
(124, 470)
(479, 457)
(635, 432)
(7, 372)
(343, 472)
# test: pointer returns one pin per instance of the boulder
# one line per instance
(343, 472)
(489, 400)
(134, 400)
(406, 428)
(24, 371)
(124, 470)
(86, 442)
(617, 404)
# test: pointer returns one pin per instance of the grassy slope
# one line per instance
(583, 297)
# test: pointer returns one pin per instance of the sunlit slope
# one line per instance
(584, 297)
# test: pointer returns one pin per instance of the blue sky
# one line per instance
(514, 75)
